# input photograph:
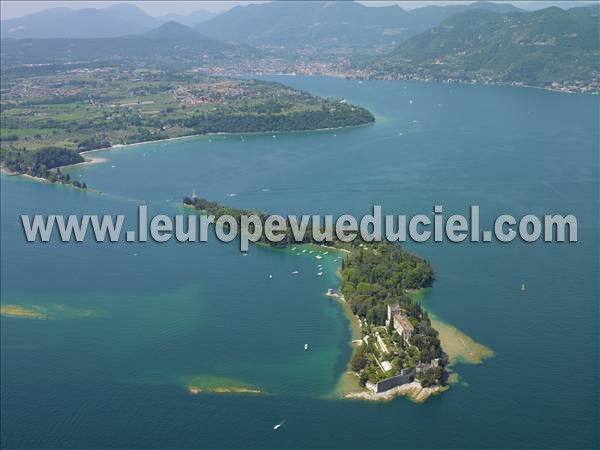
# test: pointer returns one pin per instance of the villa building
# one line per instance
(400, 322)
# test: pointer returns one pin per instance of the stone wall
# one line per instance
(406, 376)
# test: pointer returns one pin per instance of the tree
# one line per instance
(359, 359)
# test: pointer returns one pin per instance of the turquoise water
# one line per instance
(134, 323)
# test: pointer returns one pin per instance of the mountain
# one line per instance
(114, 21)
(537, 47)
(430, 16)
(191, 19)
(279, 23)
(329, 24)
(301, 23)
(173, 30)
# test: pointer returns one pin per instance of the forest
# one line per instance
(381, 274)
(41, 162)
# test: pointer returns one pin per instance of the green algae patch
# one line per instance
(21, 312)
(46, 312)
(218, 385)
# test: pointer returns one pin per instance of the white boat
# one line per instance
(276, 427)
(270, 275)
(523, 287)
(305, 346)
(319, 257)
(325, 253)
(320, 274)
(295, 272)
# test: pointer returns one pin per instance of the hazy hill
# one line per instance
(296, 24)
(430, 16)
(82, 23)
(280, 23)
(532, 47)
(113, 21)
(173, 30)
(329, 24)
(191, 19)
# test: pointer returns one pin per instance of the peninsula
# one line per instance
(398, 345)
(49, 118)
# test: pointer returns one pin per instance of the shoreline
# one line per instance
(413, 391)
(10, 173)
(100, 160)
(382, 78)
(88, 161)
(219, 133)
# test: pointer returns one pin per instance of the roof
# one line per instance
(403, 322)
(394, 308)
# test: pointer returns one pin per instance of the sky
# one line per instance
(10, 8)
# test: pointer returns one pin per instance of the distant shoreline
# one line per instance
(98, 160)
(219, 133)
(383, 78)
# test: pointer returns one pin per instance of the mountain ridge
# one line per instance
(329, 24)
(117, 20)
(541, 47)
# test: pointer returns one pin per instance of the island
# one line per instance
(50, 117)
(399, 351)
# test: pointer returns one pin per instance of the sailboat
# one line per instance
(523, 287)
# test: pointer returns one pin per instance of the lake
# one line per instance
(135, 324)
